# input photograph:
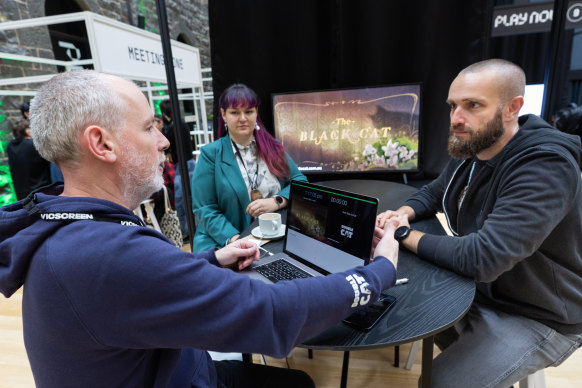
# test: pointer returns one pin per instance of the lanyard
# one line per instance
(252, 183)
(72, 216)
(32, 209)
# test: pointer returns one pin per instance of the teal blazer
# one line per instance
(220, 196)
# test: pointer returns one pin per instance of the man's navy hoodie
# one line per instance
(109, 304)
(517, 231)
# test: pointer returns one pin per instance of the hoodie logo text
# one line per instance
(66, 216)
(361, 292)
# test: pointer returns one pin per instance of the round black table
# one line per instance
(433, 299)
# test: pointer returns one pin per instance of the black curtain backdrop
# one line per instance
(530, 51)
(287, 46)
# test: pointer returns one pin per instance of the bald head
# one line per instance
(485, 100)
(507, 78)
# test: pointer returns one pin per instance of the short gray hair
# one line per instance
(65, 105)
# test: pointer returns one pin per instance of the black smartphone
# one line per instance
(367, 317)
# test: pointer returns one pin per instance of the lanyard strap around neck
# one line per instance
(252, 183)
(31, 208)
(73, 216)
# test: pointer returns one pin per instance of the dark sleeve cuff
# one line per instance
(438, 249)
(209, 256)
(386, 270)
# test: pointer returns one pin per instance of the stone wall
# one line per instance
(187, 20)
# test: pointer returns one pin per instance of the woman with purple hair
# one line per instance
(242, 175)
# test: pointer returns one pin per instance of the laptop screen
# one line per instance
(331, 229)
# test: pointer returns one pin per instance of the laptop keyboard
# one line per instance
(280, 269)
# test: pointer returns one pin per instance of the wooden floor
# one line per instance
(371, 368)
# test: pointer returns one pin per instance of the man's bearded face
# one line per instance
(479, 140)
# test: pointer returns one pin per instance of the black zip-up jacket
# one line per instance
(518, 230)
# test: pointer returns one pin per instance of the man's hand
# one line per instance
(383, 217)
(238, 255)
(410, 243)
(387, 246)
(389, 214)
(398, 219)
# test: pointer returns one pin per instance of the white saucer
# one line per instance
(257, 233)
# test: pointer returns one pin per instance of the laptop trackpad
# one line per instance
(272, 263)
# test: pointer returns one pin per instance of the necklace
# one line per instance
(255, 193)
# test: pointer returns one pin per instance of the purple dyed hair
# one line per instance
(270, 150)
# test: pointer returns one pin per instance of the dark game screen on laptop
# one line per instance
(332, 217)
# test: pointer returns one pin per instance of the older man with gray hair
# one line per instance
(109, 302)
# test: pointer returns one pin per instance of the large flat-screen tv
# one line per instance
(369, 129)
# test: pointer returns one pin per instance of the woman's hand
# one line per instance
(261, 206)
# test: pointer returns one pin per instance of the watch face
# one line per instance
(401, 233)
(279, 199)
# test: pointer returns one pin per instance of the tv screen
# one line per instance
(371, 129)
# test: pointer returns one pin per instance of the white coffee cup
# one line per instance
(269, 224)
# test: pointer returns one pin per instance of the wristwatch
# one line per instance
(401, 233)
(279, 200)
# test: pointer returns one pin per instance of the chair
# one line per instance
(535, 380)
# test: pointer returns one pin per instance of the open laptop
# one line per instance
(327, 231)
